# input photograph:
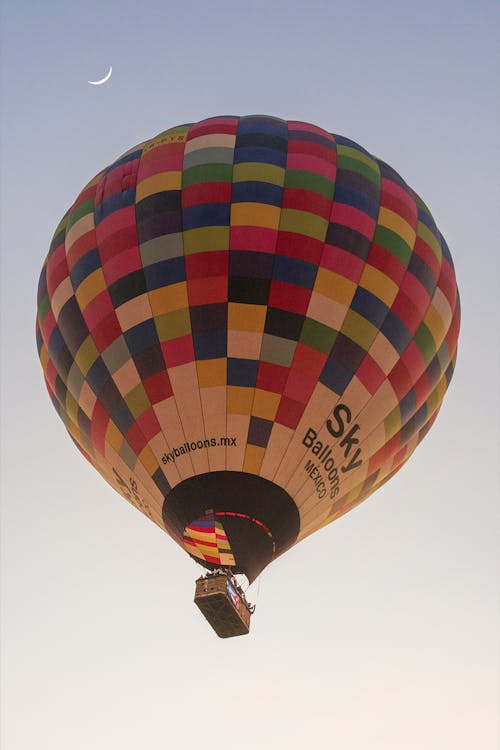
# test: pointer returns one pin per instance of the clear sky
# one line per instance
(379, 632)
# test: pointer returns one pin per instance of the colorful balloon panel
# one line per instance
(247, 325)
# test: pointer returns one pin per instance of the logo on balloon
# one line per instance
(324, 471)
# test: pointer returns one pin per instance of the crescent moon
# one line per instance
(103, 80)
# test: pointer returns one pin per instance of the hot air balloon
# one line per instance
(247, 325)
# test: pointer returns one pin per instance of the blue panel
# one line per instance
(294, 271)
(84, 267)
(98, 376)
(206, 215)
(242, 372)
(335, 377)
(259, 154)
(369, 306)
(210, 344)
(125, 159)
(394, 330)
(122, 417)
(357, 199)
(141, 337)
(119, 200)
(256, 192)
(407, 405)
(164, 273)
(260, 124)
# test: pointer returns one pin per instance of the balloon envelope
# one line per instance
(247, 325)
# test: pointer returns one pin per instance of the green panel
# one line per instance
(85, 208)
(393, 242)
(207, 173)
(173, 325)
(43, 308)
(137, 401)
(299, 178)
(425, 342)
(318, 336)
(303, 222)
(258, 172)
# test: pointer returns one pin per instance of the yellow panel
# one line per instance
(114, 436)
(148, 460)
(258, 172)
(227, 559)
(303, 222)
(193, 550)
(359, 329)
(239, 399)
(435, 324)
(201, 536)
(86, 355)
(175, 297)
(212, 372)
(253, 458)
(255, 215)
(90, 287)
(265, 404)
(243, 317)
(205, 239)
(137, 400)
(334, 286)
(379, 284)
(393, 221)
(158, 183)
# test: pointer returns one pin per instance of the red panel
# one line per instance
(404, 308)
(414, 289)
(206, 192)
(178, 351)
(80, 247)
(289, 297)
(400, 379)
(370, 374)
(98, 309)
(207, 291)
(148, 424)
(353, 218)
(202, 265)
(299, 246)
(113, 244)
(345, 264)
(299, 386)
(289, 412)
(253, 238)
(107, 331)
(158, 387)
(272, 377)
(386, 262)
(309, 360)
(135, 439)
(122, 264)
(307, 200)
(99, 423)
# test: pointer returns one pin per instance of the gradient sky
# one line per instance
(379, 632)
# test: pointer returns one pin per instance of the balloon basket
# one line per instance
(223, 604)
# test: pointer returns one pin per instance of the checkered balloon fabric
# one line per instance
(247, 325)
